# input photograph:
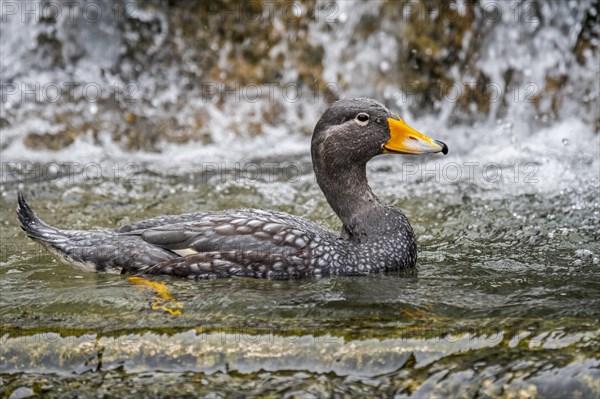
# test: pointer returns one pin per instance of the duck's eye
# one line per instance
(362, 119)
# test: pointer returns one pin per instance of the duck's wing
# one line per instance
(252, 243)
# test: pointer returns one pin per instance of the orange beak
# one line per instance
(406, 140)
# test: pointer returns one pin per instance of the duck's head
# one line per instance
(352, 131)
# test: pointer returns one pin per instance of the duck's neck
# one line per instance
(348, 193)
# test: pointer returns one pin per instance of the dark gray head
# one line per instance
(348, 135)
(354, 130)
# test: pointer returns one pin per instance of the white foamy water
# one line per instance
(510, 145)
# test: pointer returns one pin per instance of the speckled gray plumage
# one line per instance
(375, 237)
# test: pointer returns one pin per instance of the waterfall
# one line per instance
(110, 78)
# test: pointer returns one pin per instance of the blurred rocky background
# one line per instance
(145, 73)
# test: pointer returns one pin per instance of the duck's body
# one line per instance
(266, 244)
(249, 242)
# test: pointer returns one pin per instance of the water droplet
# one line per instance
(52, 169)
(384, 66)
(565, 142)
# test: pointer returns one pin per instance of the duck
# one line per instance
(375, 237)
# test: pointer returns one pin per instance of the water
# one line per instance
(505, 300)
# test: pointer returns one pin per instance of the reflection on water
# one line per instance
(502, 307)
(418, 364)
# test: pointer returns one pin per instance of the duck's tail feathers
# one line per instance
(35, 228)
